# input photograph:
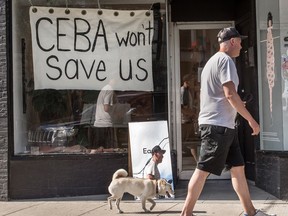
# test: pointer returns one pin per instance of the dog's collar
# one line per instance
(157, 189)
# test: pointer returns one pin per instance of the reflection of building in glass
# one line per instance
(285, 78)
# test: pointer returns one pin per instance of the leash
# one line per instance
(157, 189)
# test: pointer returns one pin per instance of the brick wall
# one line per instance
(3, 106)
(272, 172)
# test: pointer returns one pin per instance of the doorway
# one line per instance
(194, 43)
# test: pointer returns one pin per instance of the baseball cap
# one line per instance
(157, 149)
(228, 33)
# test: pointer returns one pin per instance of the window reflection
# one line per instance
(53, 121)
(196, 47)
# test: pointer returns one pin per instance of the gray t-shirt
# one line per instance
(152, 169)
(214, 107)
(103, 118)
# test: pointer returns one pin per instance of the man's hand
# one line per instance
(255, 127)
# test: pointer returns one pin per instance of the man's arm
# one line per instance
(150, 176)
(107, 107)
(236, 102)
(150, 171)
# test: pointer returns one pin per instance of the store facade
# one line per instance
(57, 56)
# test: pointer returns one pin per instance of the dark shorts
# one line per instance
(219, 148)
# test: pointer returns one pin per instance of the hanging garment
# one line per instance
(270, 61)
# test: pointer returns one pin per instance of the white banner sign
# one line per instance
(85, 48)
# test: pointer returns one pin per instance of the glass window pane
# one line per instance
(51, 121)
(196, 47)
(272, 52)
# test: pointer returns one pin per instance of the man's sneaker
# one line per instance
(260, 213)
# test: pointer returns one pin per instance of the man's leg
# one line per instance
(194, 152)
(195, 187)
(240, 186)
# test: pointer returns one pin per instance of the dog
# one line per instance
(145, 189)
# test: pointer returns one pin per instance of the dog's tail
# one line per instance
(120, 173)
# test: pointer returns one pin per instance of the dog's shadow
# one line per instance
(161, 212)
(152, 212)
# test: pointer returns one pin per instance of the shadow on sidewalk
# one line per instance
(219, 190)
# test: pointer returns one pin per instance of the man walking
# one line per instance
(219, 104)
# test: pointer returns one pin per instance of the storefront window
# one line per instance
(74, 115)
(272, 21)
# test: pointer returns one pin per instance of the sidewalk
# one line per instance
(217, 199)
